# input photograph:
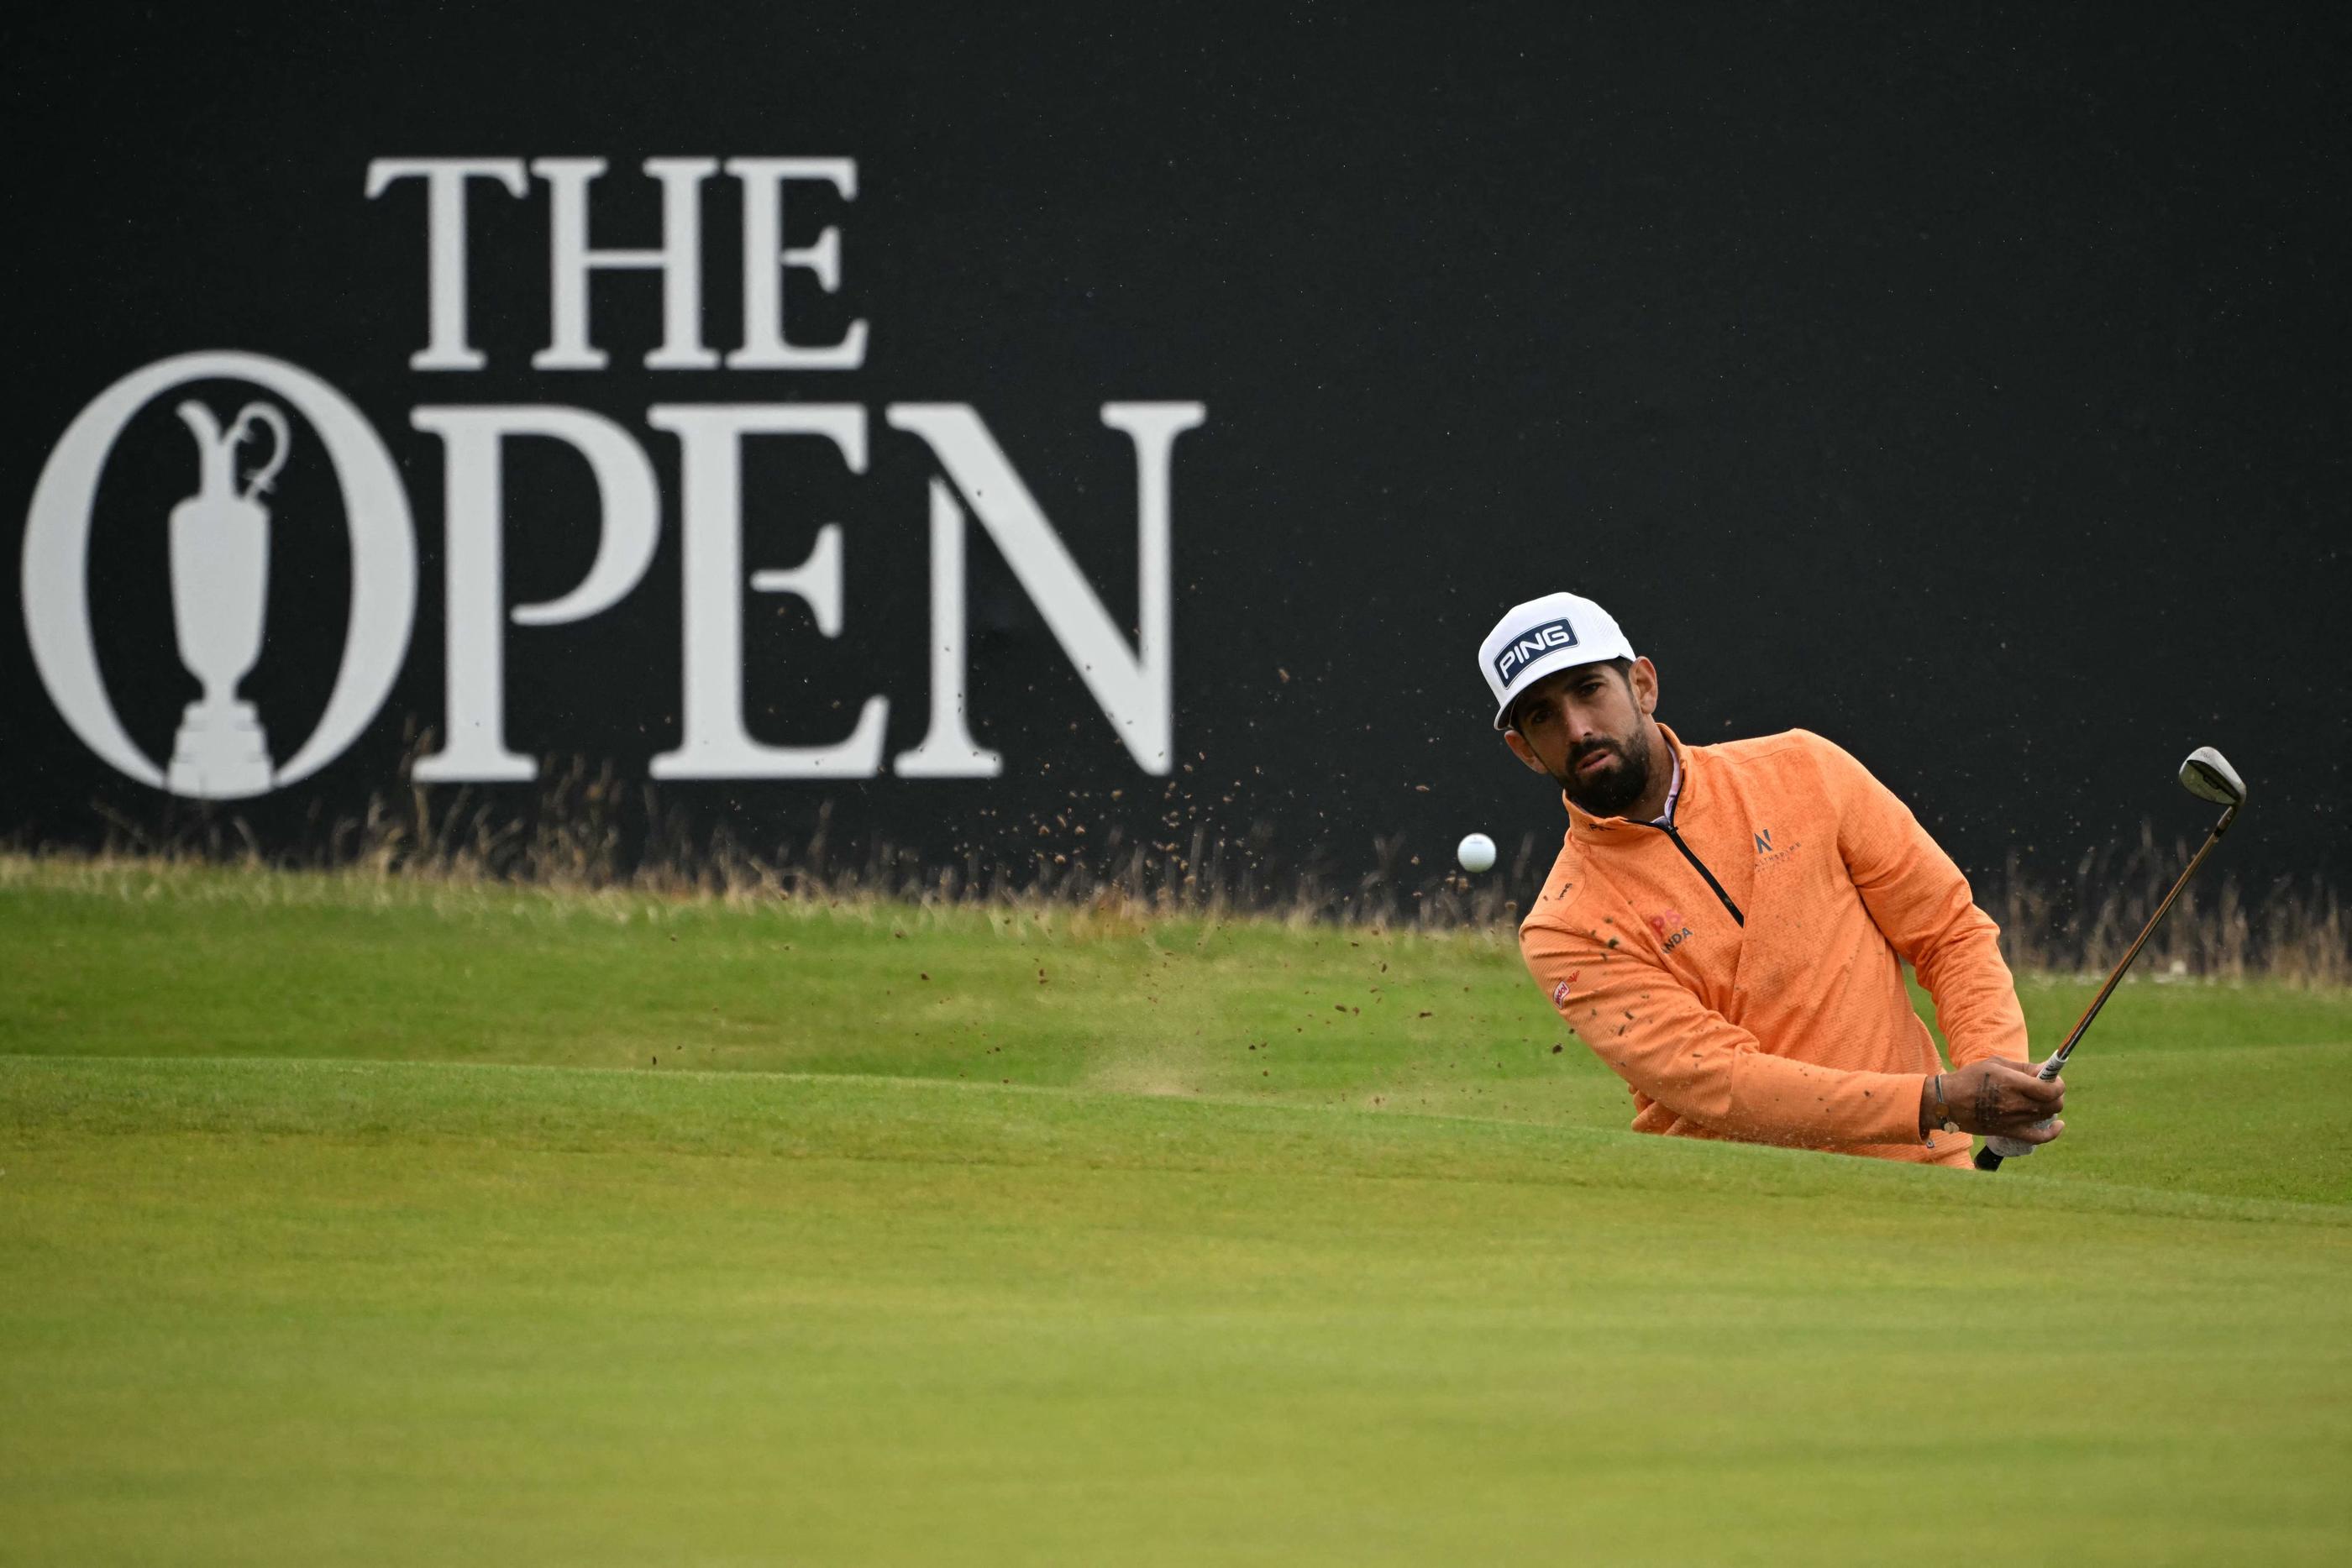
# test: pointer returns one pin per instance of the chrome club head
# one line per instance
(2209, 776)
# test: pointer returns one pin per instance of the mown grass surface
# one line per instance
(2244, 1090)
(346, 1222)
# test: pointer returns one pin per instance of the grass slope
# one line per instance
(1161, 1298)
(2244, 1090)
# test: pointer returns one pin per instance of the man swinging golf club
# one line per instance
(1726, 926)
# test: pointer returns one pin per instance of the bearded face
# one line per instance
(1586, 728)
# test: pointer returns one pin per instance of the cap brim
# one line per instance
(1550, 664)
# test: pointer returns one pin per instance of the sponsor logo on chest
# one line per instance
(1672, 930)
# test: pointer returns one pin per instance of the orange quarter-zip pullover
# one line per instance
(1741, 968)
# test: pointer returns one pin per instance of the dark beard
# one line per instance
(1609, 795)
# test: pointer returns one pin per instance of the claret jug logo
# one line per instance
(220, 566)
(219, 544)
(284, 420)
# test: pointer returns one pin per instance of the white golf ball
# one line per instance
(1475, 852)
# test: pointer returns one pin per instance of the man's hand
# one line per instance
(1996, 1098)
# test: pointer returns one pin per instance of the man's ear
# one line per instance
(1522, 751)
(1644, 678)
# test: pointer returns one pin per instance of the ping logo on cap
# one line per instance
(1533, 644)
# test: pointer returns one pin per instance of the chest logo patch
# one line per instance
(1672, 930)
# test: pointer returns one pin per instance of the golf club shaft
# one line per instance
(2058, 1059)
(1995, 1150)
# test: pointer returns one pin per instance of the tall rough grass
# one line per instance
(2296, 933)
(590, 830)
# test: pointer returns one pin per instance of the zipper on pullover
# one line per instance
(1700, 867)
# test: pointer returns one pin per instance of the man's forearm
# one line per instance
(1975, 994)
(1921, 902)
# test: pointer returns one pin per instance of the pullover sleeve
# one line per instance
(1921, 903)
(1660, 1039)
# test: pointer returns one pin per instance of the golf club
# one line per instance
(2207, 774)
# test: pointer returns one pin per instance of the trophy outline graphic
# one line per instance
(220, 582)
(55, 590)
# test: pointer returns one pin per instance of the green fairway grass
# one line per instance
(346, 1220)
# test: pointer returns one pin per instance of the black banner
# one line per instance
(1068, 437)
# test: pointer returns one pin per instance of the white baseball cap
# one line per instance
(1558, 632)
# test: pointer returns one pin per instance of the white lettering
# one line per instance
(1134, 690)
(948, 750)
(679, 261)
(764, 344)
(715, 744)
(446, 347)
(473, 440)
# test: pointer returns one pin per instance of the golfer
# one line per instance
(1727, 926)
